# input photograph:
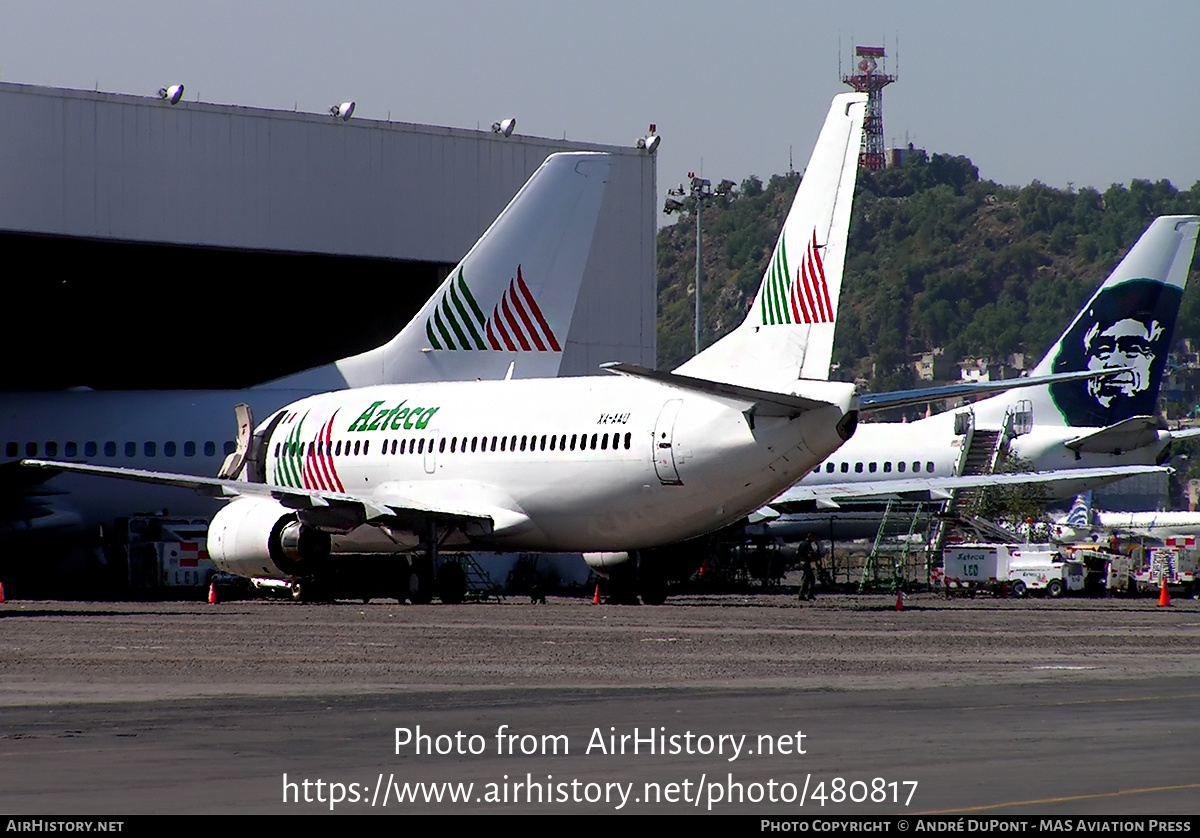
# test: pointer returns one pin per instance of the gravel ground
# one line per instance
(70, 651)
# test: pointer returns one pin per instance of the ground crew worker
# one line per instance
(809, 555)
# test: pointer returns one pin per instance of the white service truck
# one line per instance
(1021, 568)
(1176, 561)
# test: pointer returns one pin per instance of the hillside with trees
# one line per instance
(937, 259)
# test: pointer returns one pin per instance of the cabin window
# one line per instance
(131, 449)
(887, 467)
(542, 447)
(603, 442)
(51, 449)
(574, 437)
(110, 449)
(210, 449)
(628, 440)
(594, 441)
(493, 443)
(929, 467)
(169, 449)
(858, 468)
(845, 468)
(10, 449)
(72, 449)
(512, 443)
(916, 467)
(475, 443)
(524, 441)
(441, 445)
(453, 444)
(503, 443)
(900, 466)
(871, 467)
(31, 449)
(150, 448)
(189, 449)
(421, 447)
(829, 468)
(89, 449)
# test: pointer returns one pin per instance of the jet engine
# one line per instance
(261, 537)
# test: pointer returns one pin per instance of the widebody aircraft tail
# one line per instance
(507, 306)
(788, 332)
(1126, 324)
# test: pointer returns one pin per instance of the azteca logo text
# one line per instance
(516, 324)
(804, 299)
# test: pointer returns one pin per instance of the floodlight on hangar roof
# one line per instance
(505, 126)
(649, 143)
(172, 94)
(342, 111)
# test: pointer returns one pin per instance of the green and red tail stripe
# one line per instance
(516, 325)
(804, 299)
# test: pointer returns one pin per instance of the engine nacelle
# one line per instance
(602, 563)
(261, 537)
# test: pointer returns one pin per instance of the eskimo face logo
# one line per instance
(1128, 344)
(1127, 327)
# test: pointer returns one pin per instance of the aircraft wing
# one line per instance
(392, 507)
(1185, 433)
(829, 494)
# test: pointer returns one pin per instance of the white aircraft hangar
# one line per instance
(202, 245)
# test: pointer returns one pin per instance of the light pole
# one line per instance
(699, 190)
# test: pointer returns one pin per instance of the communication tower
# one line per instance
(871, 79)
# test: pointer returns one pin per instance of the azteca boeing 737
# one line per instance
(509, 304)
(606, 464)
(1103, 427)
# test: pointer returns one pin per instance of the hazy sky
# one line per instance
(1092, 93)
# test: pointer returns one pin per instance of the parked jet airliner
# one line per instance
(602, 464)
(505, 310)
(1105, 425)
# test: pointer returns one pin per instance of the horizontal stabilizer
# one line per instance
(881, 401)
(1131, 433)
(758, 402)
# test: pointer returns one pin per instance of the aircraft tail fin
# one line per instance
(788, 332)
(1080, 515)
(1127, 323)
(510, 299)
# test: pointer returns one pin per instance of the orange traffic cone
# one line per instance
(1164, 596)
(212, 593)
(899, 600)
(596, 598)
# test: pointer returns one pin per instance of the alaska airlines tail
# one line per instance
(788, 332)
(1126, 324)
(507, 306)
